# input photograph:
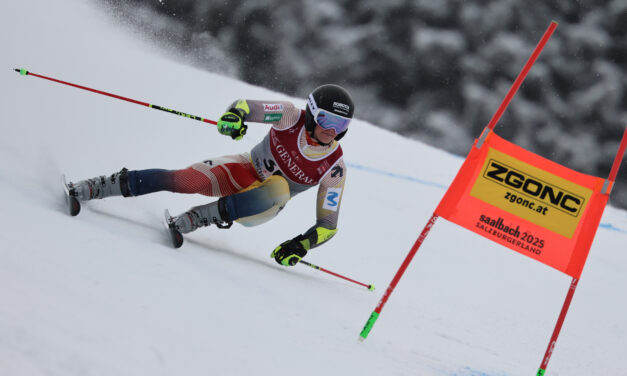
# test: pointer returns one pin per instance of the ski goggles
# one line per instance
(326, 119)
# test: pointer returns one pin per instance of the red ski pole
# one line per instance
(369, 287)
(24, 72)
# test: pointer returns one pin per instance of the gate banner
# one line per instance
(527, 203)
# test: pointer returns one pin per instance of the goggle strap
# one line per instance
(313, 107)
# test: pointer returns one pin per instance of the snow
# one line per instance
(104, 294)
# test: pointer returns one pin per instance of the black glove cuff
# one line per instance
(238, 112)
(295, 246)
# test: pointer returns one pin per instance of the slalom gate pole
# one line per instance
(495, 118)
(369, 287)
(619, 156)
(607, 188)
(24, 72)
(517, 83)
(522, 75)
(377, 311)
(558, 328)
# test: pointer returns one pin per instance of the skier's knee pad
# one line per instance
(260, 202)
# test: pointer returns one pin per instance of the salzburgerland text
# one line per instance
(510, 234)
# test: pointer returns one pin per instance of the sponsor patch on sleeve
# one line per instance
(276, 107)
(332, 199)
(270, 118)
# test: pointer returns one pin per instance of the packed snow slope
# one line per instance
(104, 294)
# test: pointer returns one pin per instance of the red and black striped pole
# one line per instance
(24, 72)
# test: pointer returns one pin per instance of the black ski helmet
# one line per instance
(332, 98)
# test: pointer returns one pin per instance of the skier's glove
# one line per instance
(232, 123)
(290, 252)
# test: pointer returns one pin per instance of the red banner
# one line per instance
(527, 203)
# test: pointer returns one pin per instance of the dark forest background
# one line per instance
(431, 70)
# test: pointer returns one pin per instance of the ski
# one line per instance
(72, 203)
(175, 236)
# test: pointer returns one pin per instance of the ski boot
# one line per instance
(95, 188)
(199, 216)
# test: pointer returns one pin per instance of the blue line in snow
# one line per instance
(606, 226)
(395, 176)
(611, 227)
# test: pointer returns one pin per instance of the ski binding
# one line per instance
(72, 203)
(175, 235)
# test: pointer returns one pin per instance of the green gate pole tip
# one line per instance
(371, 287)
(368, 327)
(22, 71)
(541, 372)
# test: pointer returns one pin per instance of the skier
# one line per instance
(300, 151)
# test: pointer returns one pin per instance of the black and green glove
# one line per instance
(289, 253)
(232, 123)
